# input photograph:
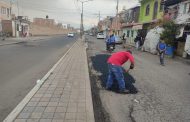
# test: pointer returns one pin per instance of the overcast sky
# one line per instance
(68, 11)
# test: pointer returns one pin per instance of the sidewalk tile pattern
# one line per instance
(66, 94)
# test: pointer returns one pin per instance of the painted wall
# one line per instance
(147, 18)
(130, 35)
(5, 13)
(183, 13)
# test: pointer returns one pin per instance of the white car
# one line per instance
(70, 35)
(100, 36)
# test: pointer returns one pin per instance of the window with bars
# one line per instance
(161, 7)
(147, 10)
(3, 10)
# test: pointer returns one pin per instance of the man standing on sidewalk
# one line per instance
(115, 63)
(161, 49)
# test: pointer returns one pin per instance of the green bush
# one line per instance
(170, 32)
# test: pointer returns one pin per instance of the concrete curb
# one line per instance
(35, 39)
(91, 109)
(11, 43)
(21, 105)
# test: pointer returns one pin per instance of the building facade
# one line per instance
(130, 23)
(179, 11)
(104, 26)
(5, 13)
(151, 11)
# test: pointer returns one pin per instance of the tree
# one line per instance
(170, 32)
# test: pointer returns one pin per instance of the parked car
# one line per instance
(70, 35)
(100, 36)
(91, 34)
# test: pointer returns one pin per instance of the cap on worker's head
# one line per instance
(129, 51)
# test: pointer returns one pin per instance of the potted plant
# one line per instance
(169, 36)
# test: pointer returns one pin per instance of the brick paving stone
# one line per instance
(38, 95)
(45, 99)
(63, 104)
(50, 109)
(54, 99)
(33, 120)
(59, 115)
(81, 109)
(45, 120)
(28, 109)
(81, 121)
(36, 115)
(81, 116)
(72, 109)
(58, 120)
(61, 109)
(53, 104)
(20, 120)
(69, 121)
(35, 99)
(81, 104)
(49, 91)
(23, 115)
(32, 104)
(39, 109)
(42, 104)
(72, 104)
(64, 100)
(47, 115)
(47, 95)
(70, 116)
(56, 95)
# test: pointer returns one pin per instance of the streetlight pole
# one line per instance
(18, 7)
(82, 26)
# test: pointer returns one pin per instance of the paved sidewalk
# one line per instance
(66, 95)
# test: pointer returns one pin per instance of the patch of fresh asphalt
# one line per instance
(23, 64)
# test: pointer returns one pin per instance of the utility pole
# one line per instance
(82, 26)
(18, 6)
(117, 7)
(99, 16)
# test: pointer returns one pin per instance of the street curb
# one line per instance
(21, 105)
(11, 43)
(23, 41)
(88, 78)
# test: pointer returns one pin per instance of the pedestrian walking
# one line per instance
(138, 41)
(123, 37)
(116, 70)
(161, 49)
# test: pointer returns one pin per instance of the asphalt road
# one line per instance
(23, 64)
(158, 94)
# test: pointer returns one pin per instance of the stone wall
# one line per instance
(37, 30)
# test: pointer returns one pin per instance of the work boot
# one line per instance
(124, 91)
(108, 88)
